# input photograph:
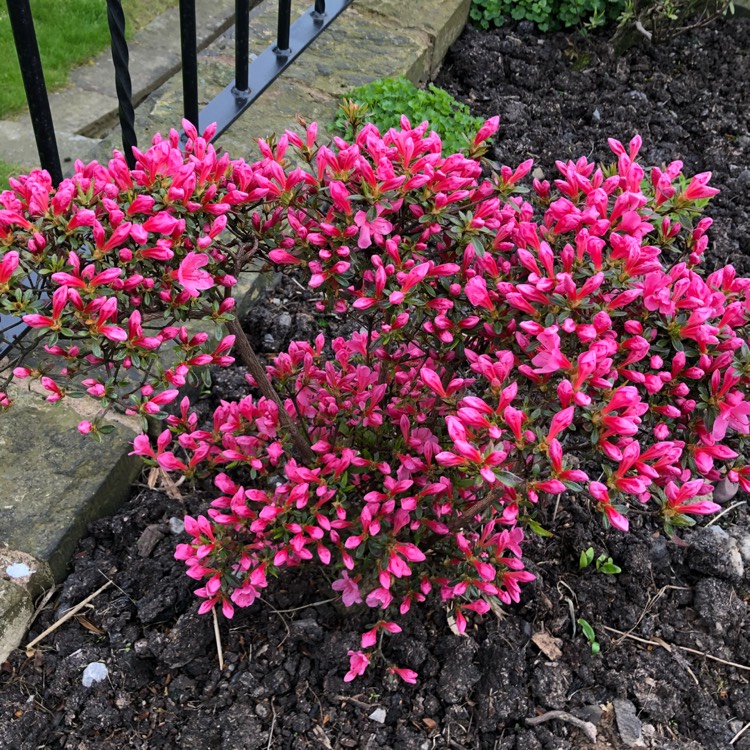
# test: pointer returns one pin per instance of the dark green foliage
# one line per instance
(546, 14)
(388, 98)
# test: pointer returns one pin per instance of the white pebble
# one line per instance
(378, 715)
(176, 525)
(95, 672)
(18, 570)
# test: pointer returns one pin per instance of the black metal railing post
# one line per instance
(319, 11)
(242, 44)
(27, 49)
(123, 85)
(189, 60)
(285, 23)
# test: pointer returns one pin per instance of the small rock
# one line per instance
(635, 94)
(628, 723)
(285, 320)
(744, 178)
(725, 491)
(18, 570)
(592, 714)
(94, 672)
(176, 525)
(745, 548)
(150, 537)
(596, 115)
(378, 715)
(269, 342)
(538, 173)
(713, 552)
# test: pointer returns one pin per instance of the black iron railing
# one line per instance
(251, 79)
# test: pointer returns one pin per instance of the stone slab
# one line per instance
(16, 611)
(55, 481)
(442, 20)
(358, 48)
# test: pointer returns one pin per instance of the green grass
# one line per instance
(7, 170)
(69, 32)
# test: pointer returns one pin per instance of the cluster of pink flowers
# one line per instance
(514, 347)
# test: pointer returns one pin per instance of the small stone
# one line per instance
(744, 177)
(714, 553)
(635, 94)
(628, 723)
(285, 320)
(94, 672)
(378, 715)
(176, 525)
(592, 713)
(150, 537)
(18, 570)
(596, 115)
(725, 491)
(538, 173)
(269, 342)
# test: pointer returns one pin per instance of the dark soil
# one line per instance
(282, 686)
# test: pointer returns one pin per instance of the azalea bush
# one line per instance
(512, 348)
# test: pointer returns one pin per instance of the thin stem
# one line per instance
(250, 360)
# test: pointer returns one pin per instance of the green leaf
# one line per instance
(538, 529)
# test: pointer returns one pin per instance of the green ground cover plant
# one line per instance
(384, 101)
(69, 32)
(546, 14)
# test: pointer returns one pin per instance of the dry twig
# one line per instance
(664, 645)
(70, 613)
(739, 734)
(585, 726)
(217, 634)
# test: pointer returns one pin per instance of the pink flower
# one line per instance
(488, 129)
(378, 227)
(349, 590)
(407, 675)
(191, 277)
(358, 663)
(698, 188)
(8, 265)
(85, 427)
(678, 498)
(476, 293)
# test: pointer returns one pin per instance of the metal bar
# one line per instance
(320, 9)
(27, 50)
(285, 21)
(189, 61)
(241, 44)
(123, 85)
(227, 106)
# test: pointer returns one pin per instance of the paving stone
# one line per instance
(55, 481)
(442, 20)
(155, 50)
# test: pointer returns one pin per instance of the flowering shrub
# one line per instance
(511, 347)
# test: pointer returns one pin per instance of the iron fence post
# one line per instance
(27, 49)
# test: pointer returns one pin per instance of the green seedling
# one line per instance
(604, 564)
(588, 631)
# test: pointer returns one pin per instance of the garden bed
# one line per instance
(282, 686)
